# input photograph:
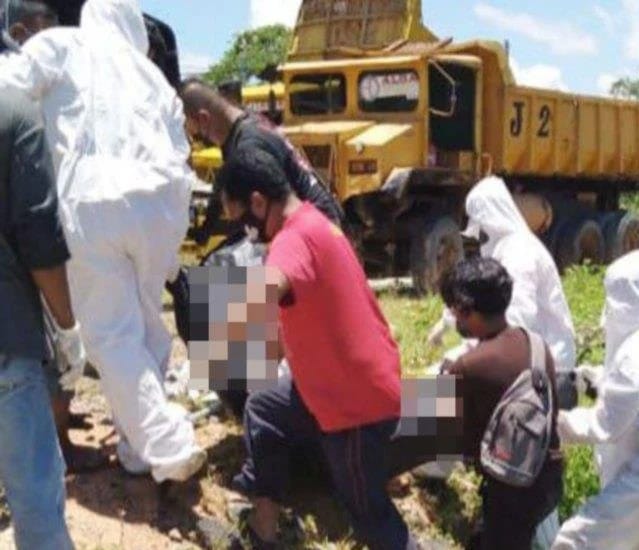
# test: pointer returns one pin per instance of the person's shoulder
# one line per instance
(306, 224)
(309, 219)
(490, 352)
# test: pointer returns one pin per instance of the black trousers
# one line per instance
(511, 514)
(277, 421)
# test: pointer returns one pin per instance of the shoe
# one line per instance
(182, 470)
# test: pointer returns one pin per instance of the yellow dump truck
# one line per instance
(402, 124)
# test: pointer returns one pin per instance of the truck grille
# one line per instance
(321, 159)
(319, 156)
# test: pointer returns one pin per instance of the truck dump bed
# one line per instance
(549, 133)
(542, 133)
(326, 26)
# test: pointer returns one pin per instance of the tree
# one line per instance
(250, 54)
(626, 88)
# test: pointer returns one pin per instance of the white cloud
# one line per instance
(631, 16)
(269, 12)
(539, 76)
(605, 17)
(605, 82)
(192, 63)
(562, 38)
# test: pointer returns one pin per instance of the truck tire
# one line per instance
(577, 240)
(434, 248)
(621, 233)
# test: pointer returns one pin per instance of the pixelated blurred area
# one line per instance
(234, 343)
(431, 426)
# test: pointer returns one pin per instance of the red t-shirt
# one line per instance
(343, 358)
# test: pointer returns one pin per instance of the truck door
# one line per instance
(453, 107)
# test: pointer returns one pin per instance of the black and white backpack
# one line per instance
(516, 441)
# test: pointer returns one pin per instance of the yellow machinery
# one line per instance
(401, 124)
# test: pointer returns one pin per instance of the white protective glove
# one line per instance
(73, 356)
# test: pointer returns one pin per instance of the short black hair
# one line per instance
(197, 95)
(22, 10)
(478, 284)
(250, 170)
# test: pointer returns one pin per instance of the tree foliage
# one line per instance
(625, 88)
(251, 52)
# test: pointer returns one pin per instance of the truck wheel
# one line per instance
(433, 250)
(621, 233)
(578, 240)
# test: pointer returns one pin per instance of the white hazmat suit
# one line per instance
(610, 520)
(538, 303)
(116, 128)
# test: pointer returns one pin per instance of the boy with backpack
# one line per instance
(509, 406)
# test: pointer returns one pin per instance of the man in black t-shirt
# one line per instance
(211, 118)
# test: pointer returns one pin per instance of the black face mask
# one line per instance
(255, 227)
(472, 246)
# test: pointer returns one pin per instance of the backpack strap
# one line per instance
(540, 377)
(537, 352)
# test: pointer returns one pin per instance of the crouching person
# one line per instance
(344, 391)
(478, 292)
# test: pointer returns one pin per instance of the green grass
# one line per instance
(411, 320)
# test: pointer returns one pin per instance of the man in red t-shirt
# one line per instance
(345, 386)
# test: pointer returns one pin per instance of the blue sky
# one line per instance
(576, 45)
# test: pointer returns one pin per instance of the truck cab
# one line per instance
(397, 138)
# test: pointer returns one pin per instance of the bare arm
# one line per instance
(54, 287)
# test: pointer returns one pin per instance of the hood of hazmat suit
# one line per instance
(538, 301)
(613, 423)
(107, 108)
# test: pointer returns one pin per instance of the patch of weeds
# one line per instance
(581, 479)
(585, 293)
(454, 505)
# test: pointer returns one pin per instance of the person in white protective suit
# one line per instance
(538, 303)
(610, 520)
(117, 131)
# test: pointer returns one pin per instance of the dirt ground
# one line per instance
(111, 510)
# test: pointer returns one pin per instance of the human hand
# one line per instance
(73, 356)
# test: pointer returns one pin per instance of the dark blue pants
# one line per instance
(277, 421)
